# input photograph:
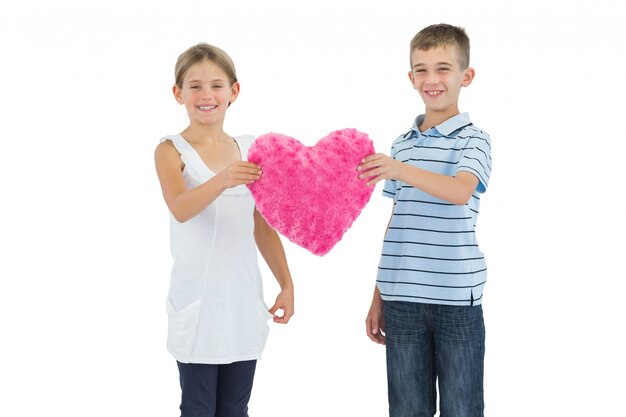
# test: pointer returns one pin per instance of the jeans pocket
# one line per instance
(182, 326)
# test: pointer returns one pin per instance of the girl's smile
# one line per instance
(207, 108)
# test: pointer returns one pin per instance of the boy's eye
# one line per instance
(218, 86)
(195, 87)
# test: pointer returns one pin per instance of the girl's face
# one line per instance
(206, 93)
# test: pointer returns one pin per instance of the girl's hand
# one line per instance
(240, 173)
(284, 301)
(377, 167)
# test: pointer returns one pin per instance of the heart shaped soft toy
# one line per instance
(311, 194)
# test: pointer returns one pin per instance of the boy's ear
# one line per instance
(177, 95)
(468, 76)
(412, 79)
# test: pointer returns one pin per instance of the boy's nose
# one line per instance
(432, 78)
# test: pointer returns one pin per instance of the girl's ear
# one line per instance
(234, 92)
(468, 77)
(177, 94)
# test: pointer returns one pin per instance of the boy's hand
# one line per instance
(377, 167)
(375, 321)
(284, 301)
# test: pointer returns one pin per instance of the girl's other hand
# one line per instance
(285, 302)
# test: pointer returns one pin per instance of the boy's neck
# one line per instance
(432, 119)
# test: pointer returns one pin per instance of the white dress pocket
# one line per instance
(182, 327)
(264, 316)
(265, 313)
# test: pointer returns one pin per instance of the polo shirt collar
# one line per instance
(447, 127)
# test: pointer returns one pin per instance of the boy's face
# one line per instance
(438, 78)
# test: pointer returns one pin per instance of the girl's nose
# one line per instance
(206, 91)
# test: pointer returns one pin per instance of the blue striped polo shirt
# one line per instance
(430, 253)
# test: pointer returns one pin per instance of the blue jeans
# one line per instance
(429, 342)
(216, 390)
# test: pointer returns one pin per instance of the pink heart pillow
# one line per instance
(311, 195)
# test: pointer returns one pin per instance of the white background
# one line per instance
(85, 94)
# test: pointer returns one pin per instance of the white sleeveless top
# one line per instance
(215, 307)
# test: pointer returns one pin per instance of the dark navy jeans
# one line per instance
(429, 343)
(216, 390)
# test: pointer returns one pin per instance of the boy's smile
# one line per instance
(438, 78)
(434, 93)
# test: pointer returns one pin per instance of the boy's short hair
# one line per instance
(443, 35)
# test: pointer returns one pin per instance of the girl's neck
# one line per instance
(202, 134)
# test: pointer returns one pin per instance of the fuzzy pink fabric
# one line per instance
(311, 195)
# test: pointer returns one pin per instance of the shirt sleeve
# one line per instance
(389, 190)
(391, 186)
(476, 159)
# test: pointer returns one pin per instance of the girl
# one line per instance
(217, 320)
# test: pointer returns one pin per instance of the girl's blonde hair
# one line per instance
(201, 52)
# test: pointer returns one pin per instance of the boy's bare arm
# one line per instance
(456, 190)
(375, 320)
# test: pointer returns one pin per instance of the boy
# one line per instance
(427, 301)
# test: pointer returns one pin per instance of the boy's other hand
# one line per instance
(377, 167)
(375, 321)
